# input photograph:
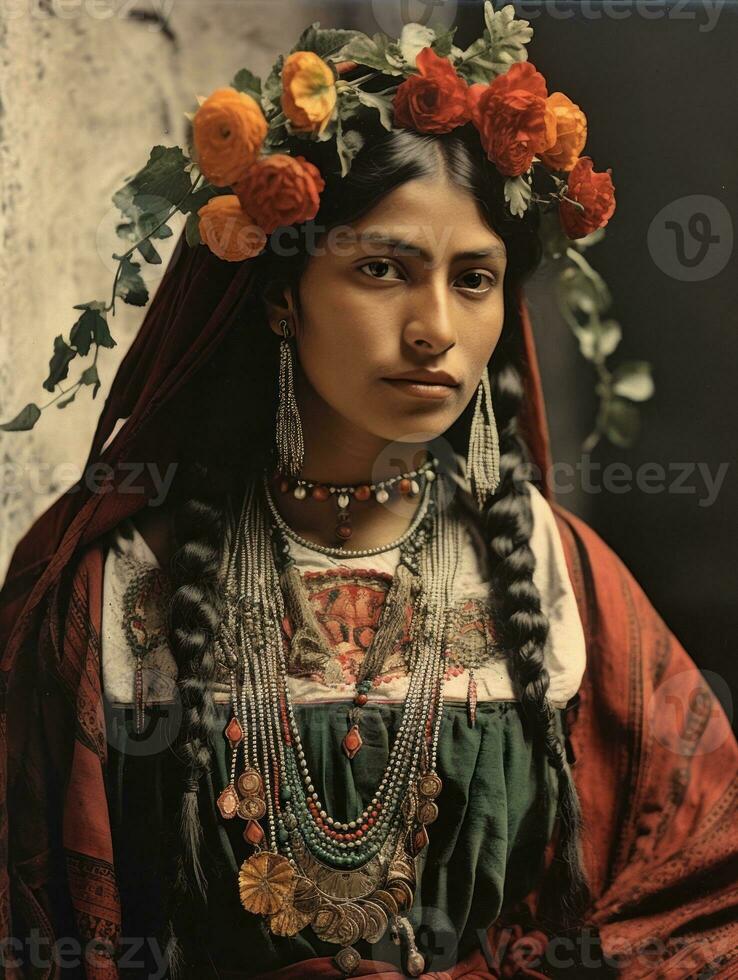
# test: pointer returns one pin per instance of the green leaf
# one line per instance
(95, 304)
(413, 39)
(102, 333)
(587, 240)
(24, 420)
(149, 195)
(553, 238)
(246, 81)
(377, 52)
(444, 43)
(192, 230)
(479, 70)
(621, 422)
(598, 339)
(379, 101)
(83, 332)
(518, 193)
(348, 144)
(632, 380)
(130, 286)
(507, 36)
(201, 197)
(67, 401)
(149, 252)
(90, 377)
(59, 363)
(271, 93)
(581, 292)
(325, 43)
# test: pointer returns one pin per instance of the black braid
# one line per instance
(194, 614)
(508, 521)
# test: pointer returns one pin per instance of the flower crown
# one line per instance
(241, 133)
(241, 178)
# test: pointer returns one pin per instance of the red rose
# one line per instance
(595, 192)
(513, 118)
(434, 101)
(280, 190)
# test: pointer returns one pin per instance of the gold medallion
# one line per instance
(355, 912)
(288, 921)
(430, 785)
(306, 897)
(402, 867)
(252, 808)
(401, 892)
(386, 900)
(265, 882)
(347, 960)
(376, 921)
(325, 923)
(427, 811)
(348, 930)
(250, 783)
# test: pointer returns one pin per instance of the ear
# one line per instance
(280, 305)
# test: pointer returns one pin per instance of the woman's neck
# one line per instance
(339, 454)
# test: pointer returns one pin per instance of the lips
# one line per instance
(427, 377)
(420, 389)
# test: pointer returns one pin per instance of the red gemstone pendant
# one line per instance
(253, 833)
(352, 741)
(420, 840)
(234, 732)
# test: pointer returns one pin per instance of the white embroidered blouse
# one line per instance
(347, 594)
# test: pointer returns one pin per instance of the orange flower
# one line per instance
(595, 192)
(281, 190)
(228, 131)
(571, 133)
(308, 91)
(515, 122)
(228, 230)
(433, 101)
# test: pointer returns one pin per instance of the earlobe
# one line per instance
(279, 306)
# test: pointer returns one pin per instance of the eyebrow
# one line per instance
(375, 238)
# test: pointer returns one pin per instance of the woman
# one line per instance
(537, 801)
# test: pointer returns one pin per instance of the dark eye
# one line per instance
(378, 268)
(478, 282)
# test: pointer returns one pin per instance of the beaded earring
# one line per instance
(290, 444)
(483, 455)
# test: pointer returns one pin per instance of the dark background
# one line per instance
(660, 99)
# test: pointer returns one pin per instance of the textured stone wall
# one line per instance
(86, 88)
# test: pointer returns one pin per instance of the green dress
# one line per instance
(496, 813)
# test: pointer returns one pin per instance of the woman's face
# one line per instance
(415, 285)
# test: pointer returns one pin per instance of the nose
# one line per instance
(429, 325)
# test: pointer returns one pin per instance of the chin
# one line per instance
(416, 428)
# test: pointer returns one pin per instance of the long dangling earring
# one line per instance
(483, 456)
(290, 445)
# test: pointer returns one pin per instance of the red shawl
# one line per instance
(656, 760)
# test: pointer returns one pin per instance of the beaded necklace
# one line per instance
(346, 880)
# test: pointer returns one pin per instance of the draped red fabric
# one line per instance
(655, 765)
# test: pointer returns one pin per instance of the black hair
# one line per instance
(234, 416)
